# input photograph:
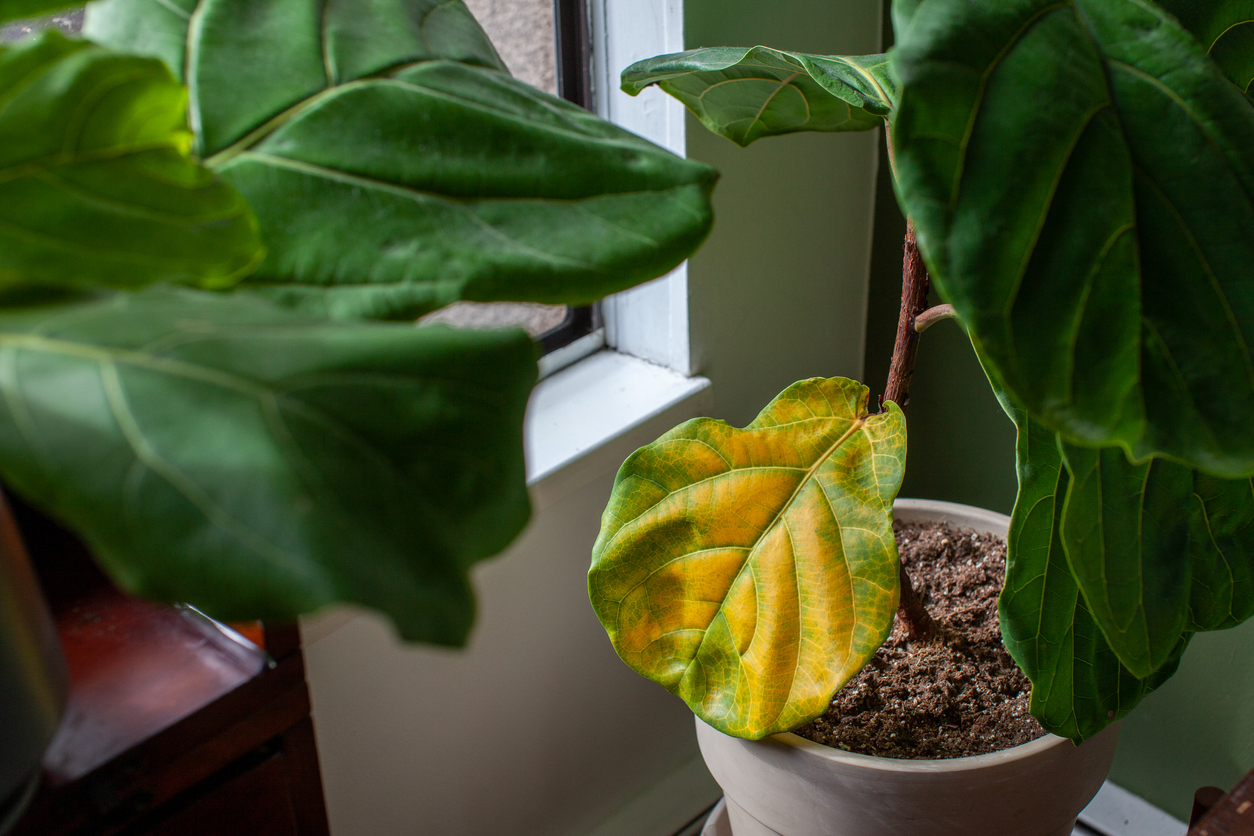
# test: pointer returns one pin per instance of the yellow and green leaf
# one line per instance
(753, 572)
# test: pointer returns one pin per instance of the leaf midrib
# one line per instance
(855, 425)
(267, 397)
(386, 76)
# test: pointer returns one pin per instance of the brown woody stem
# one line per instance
(914, 288)
(914, 616)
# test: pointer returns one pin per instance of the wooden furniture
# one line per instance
(174, 724)
(1217, 814)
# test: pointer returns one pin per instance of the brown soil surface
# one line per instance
(956, 696)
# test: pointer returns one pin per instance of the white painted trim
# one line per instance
(650, 321)
(571, 353)
(1117, 812)
(586, 419)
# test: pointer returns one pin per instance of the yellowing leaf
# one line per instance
(753, 572)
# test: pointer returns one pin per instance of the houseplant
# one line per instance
(204, 204)
(1078, 182)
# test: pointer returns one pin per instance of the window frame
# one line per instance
(596, 40)
(610, 387)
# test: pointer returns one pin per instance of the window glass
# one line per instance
(524, 34)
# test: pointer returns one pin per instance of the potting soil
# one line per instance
(958, 695)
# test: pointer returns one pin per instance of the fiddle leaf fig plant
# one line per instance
(396, 167)
(252, 442)
(1078, 181)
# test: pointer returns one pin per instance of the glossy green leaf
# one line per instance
(1079, 685)
(1226, 30)
(396, 168)
(1158, 550)
(753, 572)
(1221, 551)
(18, 9)
(1080, 177)
(902, 12)
(746, 94)
(260, 463)
(1126, 533)
(95, 184)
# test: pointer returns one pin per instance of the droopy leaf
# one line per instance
(1221, 552)
(1226, 30)
(1081, 178)
(1079, 685)
(395, 167)
(1126, 532)
(746, 94)
(261, 464)
(753, 572)
(95, 183)
(1158, 550)
(18, 9)
(902, 12)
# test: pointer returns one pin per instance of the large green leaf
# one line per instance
(1126, 533)
(260, 463)
(95, 183)
(18, 9)
(1159, 550)
(1221, 552)
(1080, 177)
(396, 168)
(1079, 685)
(1226, 30)
(753, 572)
(746, 94)
(902, 12)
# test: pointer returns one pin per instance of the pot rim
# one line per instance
(995, 523)
(969, 763)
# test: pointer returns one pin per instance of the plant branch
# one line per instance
(915, 285)
(931, 316)
(914, 616)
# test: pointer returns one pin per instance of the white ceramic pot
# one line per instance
(786, 785)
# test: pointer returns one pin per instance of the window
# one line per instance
(547, 44)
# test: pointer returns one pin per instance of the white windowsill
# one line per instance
(587, 418)
(1117, 812)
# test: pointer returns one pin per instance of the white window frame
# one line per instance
(650, 322)
(643, 376)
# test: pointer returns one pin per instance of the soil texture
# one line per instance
(955, 696)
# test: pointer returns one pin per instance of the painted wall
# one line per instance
(537, 729)
(1199, 728)
(779, 281)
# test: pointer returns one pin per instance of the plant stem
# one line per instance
(914, 616)
(914, 288)
(931, 316)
